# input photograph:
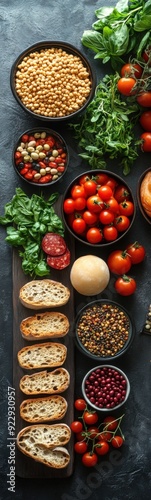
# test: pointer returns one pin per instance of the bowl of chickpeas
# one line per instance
(40, 156)
(52, 81)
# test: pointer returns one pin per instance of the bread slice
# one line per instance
(43, 409)
(47, 355)
(45, 382)
(40, 294)
(44, 325)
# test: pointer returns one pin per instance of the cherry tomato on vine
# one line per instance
(93, 431)
(90, 218)
(146, 142)
(77, 191)
(122, 223)
(144, 99)
(80, 436)
(137, 252)
(94, 235)
(126, 208)
(105, 436)
(117, 441)
(79, 225)
(147, 53)
(89, 459)
(130, 69)
(106, 217)
(110, 232)
(119, 262)
(110, 422)
(125, 285)
(105, 192)
(94, 204)
(90, 418)
(76, 426)
(145, 120)
(126, 86)
(90, 188)
(121, 193)
(81, 447)
(80, 404)
(69, 206)
(102, 448)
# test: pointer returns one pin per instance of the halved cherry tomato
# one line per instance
(110, 232)
(126, 86)
(90, 418)
(94, 235)
(122, 223)
(89, 459)
(76, 426)
(117, 441)
(102, 448)
(125, 285)
(137, 252)
(80, 404)
(126, 208)
(130, 69)
(80, 447)
(119, 262)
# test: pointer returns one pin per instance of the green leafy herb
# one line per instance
(27, 220)
(119, 31)
(106, 129)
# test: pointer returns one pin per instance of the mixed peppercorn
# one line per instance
(103, 330)
(41, 157)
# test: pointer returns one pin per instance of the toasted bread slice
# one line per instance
(40, 294)
(45, 382)
(44, 325)
(47, 355)
(43, 409)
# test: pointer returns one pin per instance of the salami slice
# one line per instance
(53, 244)
(59, 262)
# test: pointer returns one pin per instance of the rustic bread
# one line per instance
(44, 325)
(43, 443)
(45, 382)
(40, 294)
(43, 409)
(47, 355)
(145, 193)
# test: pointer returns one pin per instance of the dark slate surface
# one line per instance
(126, 475)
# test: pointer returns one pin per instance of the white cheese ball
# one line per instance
(89, 275)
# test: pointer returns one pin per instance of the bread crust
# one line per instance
(45, 382)
(45, 355)
(40, 294)
(145, 193)
(44, 325)
(43, 409)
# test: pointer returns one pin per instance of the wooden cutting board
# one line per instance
(26, 467)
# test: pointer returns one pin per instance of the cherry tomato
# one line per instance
(77, 191)
(112, 205)
(76, 426)
(105, 436)
(117, 441)
(147, 53)
(110, 232)
(79, 225)
(112, 183)
(130, 69)
(106, 217)
(90, 188)
(145, 120)
(80, 203)
(89, 459)
(94, 235)
(70, 218)
(81, 447)
(125, 285)
(102, 448)
(126, 208)
(121, 193)
(144, 99)
(122, 223)
(119, 262)
(137, 252)
(105, 192)
(101, 179)
(83, 179)
(80, 404)
(25, 138)
(80, 436)
(69, 206)
(146, 142)
(93, 432)
(29, 175)
(110, 422)
(126, 86)
(89, 217)
(94, 204)
(90, 418)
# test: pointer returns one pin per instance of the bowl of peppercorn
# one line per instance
(104, 330)
(106, 388)
(40, 157)
(52, 81)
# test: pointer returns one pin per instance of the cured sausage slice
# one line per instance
(59, 262)
(53, 244)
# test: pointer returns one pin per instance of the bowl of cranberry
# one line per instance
(41, 157)
(106, 388)
(98, 208)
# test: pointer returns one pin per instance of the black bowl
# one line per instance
(69, 50)
(107, 338)
(39, 165)
(146, 217)
(82, 239)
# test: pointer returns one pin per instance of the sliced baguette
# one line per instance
(40, 294)
(47, 355)
(43, 409)
(44, 325)
(45, 382)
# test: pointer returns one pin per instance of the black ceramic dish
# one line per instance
(146, 217)
(69, 48)
(120, 352)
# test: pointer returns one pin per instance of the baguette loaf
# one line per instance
(45, 382)
(42, 443)
(47, 355)
(40, 294)
(145, 193)
(44, 325)
(43, 409)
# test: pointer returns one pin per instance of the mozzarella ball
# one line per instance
(89, 275)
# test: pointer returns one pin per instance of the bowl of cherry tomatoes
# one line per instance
(98, 208)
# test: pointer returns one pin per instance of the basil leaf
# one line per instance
(143, 24)
(92, 40)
